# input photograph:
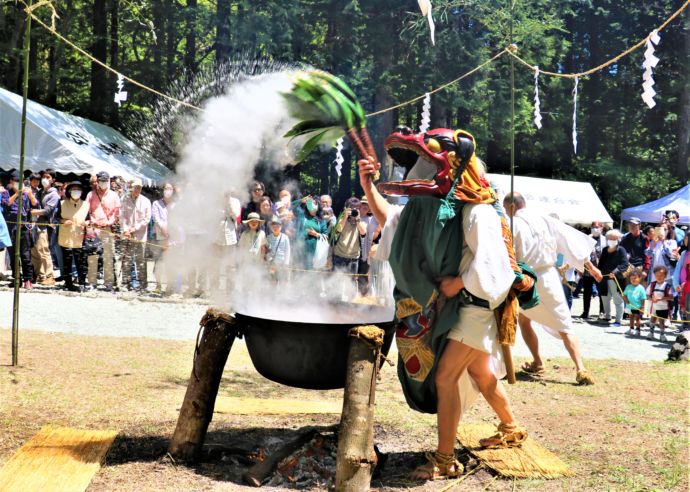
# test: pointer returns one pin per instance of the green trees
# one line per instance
(629, 152)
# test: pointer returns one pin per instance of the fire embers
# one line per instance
(312, 465)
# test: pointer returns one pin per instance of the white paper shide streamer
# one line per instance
(537, 103)
(650, 61)
(577, 80)
(425, 7)
(120, 95)
(426, 113)
(339, 159)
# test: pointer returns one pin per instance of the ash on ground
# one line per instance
(312, 465)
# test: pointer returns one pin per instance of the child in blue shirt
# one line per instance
(634, 296)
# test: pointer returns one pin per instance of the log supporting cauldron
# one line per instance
(299, 354)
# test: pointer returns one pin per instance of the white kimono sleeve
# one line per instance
(386, 241)
(575, 246)
(485, 266)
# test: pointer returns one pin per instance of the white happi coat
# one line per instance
(537, 240)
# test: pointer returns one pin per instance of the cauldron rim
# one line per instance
(367, 321)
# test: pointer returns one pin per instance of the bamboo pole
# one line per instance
(18, 235)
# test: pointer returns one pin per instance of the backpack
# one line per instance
(667, 289)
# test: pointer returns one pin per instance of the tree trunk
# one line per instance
(159, 28)
(683, 159)
(356, 457)
(55, 56)
(12, 81)
(34, 79)
(197, 408)
(190, 38)
(114, 59)
(99, 49)
(222, 31)
(171, 40)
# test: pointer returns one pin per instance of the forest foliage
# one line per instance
(630, 153)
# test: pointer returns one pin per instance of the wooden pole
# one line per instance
(210, 356)
(356, 458)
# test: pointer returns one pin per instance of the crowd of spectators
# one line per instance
(646, 274)
(104, 235)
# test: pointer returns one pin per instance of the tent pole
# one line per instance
(20, 206)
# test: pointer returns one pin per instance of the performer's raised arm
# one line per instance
(377, 203)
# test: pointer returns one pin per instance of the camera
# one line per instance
(354, 213)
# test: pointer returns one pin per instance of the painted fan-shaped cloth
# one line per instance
(464, 233)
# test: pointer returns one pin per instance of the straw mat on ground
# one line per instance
(256, 406)
(530, 460)
(56, 459)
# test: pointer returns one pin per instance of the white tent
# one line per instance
(70, 144)
(575, 202)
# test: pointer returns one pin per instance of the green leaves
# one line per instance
(325, 107)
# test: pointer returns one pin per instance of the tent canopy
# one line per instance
(70, 144)
(679, 201)
(575, 202)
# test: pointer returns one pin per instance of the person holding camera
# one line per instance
(350, 230)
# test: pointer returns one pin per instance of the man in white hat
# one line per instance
(135, 214)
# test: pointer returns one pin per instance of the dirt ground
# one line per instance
(628, 432)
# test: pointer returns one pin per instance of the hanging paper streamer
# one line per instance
(120, 95)
(339, 159)
(425, 7)
(577, 80)
(426, 113)
(650, 61)
(537, 104)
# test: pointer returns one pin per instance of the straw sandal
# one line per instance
(439, 466)
(533, 368)
(508, 436)
(584, 378)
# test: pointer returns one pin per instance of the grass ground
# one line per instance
(628, 432)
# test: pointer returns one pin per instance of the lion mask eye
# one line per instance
(433, 145)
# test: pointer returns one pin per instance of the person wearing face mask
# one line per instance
(135, 214)
(47, 215)
(635, 243)
(672, 218)
(104, 210)
(12, 208)
(613, 263)
(588, 281)
(73, 212)
(159, 212)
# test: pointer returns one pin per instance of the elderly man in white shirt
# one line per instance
(135, 214)
(537, 240)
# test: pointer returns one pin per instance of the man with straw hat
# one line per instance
(457, 288)
(538, 240)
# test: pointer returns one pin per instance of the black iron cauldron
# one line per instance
(308, 355)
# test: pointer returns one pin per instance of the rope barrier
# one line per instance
(607, 63)
(650, 314)
(510, 50)
(149, 243)
(117, 235)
